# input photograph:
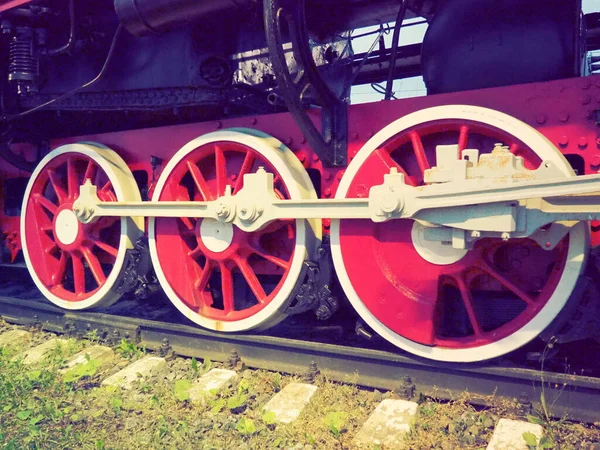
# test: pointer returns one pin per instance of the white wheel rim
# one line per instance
(308, 233)
(576, 256)
(125, 189)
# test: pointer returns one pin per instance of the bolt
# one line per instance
(586, 99)
(585, 84)
(595, 162)
(327, 192)
(540, 119)
(340, 174)
(312, 372)
(218, 125)
(582, 143)
(233, 177)
(563, 141)
(233, 360)
(598, 142)
(563, 116)
(505, 236)
(315, 158)
(253, 121)
(475, 234)
(407, 388)
(289, 141)
(525, 405)
(328, 176)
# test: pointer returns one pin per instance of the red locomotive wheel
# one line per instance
(218, 275)
(76, 265)
(429, 298)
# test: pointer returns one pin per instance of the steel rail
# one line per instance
(572, 396)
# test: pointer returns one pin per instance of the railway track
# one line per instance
(573, 396)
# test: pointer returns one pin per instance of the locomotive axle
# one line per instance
(488, 197)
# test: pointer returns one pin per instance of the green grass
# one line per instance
(40, 408)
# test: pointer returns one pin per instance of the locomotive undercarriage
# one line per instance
(454, 224)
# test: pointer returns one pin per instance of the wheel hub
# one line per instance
(435, 252)
(66, 227)
(216, 236)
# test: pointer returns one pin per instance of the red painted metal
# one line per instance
(72, 272)
(255, 263)
(9, 4)
(446, 306)
(564, 111)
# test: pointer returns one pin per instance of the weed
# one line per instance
(336, 422)
(533, 444)
(269, 417)
(182, 390)
(246, 427)
(80, 371)
(129, 350)
(93, 337)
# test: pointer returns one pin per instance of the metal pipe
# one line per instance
(145, 17)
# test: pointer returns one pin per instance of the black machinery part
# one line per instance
(477, 44)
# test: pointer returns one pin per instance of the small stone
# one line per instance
(290, 401)
(474, 430)
(377, 396)
(388, 424)
(213, 380)
(508, 434)
(15, 339)
(39, 353)
(104, 356)
(145, 367)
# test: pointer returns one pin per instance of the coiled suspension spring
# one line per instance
(23, 66)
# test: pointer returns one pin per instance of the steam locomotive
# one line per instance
(210, 150)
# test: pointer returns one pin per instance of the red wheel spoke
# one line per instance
(200, 181)
(45, 203)
(419, 151)
(90, 171)
(495, 273)
(514, 148)
(94, 265)
(246, 167)
(52, 246)
(72, 179)
(271, 258)
(58, 186)
(196, 253)
(463, 138)
(59, 271)
(107, 248)
(106, 192)
(204, 276)
(188, 225)
(467, 299)
(251, 278)
(227, 288)
(78, 274)
(221, 170)
(386, 158)
(277, 225)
